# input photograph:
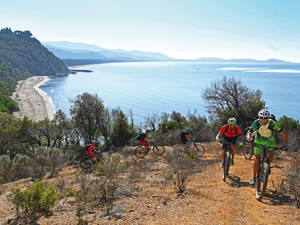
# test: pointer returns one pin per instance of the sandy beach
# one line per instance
(33, 102)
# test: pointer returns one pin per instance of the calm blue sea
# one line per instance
(155, 87)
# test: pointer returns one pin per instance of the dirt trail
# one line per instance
(208, 200)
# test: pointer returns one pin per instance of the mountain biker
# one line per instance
(231, 133)
(263, 133)
(90, 149)
(144, 139)
(189, 138)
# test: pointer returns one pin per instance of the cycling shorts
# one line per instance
(258, 150)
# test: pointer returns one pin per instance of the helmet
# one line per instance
(232, 120)
(264, 113)
(188, 129)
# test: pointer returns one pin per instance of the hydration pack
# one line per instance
(183, 137)
(141, 137)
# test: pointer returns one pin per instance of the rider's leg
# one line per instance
(222, 157)
(255, 167)
(144, 143)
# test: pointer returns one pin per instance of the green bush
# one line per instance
(37, 198)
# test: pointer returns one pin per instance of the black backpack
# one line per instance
(141, 137)
(183, 137)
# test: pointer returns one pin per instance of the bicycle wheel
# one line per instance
(261, 181)
(247, 152)
(158, 149)
(198, 150)
(85, 163)
(140, 152)
(226, 165)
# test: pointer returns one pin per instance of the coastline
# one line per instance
(33, 102)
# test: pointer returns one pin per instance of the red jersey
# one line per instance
(227, 132)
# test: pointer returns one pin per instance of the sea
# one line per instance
(148, 88)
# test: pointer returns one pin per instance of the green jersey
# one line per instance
(265, 134)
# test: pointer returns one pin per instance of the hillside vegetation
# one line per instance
(22, 56)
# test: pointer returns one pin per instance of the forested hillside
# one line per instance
(22, 56)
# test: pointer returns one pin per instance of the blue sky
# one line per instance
(259, 29)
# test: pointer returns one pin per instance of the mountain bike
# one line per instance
(226, 158)
(86, 162)
(194, 150)
(140, 151)
(263, 171)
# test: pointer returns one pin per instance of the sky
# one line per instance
(185, 29)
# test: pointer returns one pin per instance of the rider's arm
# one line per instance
(221, 132)
(284, 137)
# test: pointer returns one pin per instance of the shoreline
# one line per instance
(33, 102)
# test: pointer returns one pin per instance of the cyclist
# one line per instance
(263, 133)
(144, 139)
(231, 133)
(90, 149)
(189, 138)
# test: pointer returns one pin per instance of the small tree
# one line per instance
(121, 130)
(91, 117)
(229, 98)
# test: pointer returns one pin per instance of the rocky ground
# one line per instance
(147, 195)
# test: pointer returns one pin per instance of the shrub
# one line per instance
(293, 180)
(5, 166)
(109, 171)
(182, 166)
(35, 199)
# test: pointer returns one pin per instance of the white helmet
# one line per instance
(232, 120)
(264, 113)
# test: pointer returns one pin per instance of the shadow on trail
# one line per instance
(271, 198)
(235, 181)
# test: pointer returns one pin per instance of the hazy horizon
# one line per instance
(180, 29)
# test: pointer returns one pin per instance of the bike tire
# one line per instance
(85, 163)
(140, 152)
(198, 149)
(262, 181)
(158, 149)
(226, 165)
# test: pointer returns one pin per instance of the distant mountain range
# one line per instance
(74, 53)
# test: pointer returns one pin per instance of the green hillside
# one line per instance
(22, 56)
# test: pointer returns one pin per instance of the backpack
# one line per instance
(183, 137)
(271, 125)
(141, 137)
(227, 127)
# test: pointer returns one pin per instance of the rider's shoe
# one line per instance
(252, 181)
(222, 164)
(232, 161)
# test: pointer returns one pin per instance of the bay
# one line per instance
(154, 87)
